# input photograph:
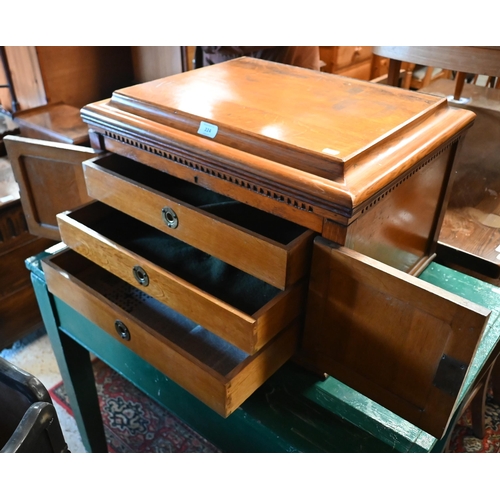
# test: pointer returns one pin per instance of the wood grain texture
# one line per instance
(18, 310)
(279, 264)
(50, 179)
(264, 110)
(81, 74)
(26, 76)
(19, 315)
(222, 391)
(53, 122)
(384, 333)
(248, 332)
(234, 186)
(472, 220)
(400, 228)
(394, 131)
(475, 60)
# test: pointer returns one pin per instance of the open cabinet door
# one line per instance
(403, 343)
(50, 179)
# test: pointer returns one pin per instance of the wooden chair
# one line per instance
(463, 60)
(417, 76)
(470, 236)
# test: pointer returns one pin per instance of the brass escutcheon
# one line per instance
(122, 330)
(141, 275)
(169, 217)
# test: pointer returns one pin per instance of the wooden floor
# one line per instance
(472, 220)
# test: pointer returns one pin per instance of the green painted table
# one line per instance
(293, 411)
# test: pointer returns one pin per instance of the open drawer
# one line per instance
(236, 306)
(404, 343)
(216, 372)
(273, 249)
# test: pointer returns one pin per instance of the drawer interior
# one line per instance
(270, 226)
(237, 288)
(206, 347)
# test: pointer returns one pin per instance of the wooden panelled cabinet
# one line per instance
(249, 212)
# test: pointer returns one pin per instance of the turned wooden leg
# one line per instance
(477, 408)
(459, 85)
(495, 381)
(478, 404)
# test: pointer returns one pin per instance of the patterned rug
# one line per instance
(133, 423)
(136, 424)
(463, 439)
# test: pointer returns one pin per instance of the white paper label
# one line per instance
(329, 151)
(208, 129)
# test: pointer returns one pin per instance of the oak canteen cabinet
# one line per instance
(250, 213)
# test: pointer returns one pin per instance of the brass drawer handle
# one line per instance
(122, 330)
(141, 275)
(169, 217)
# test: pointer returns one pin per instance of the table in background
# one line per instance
(293, 411)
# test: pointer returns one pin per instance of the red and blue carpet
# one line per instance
(136, 424)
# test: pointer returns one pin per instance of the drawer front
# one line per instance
(211, 369)
(359, 71)
(348, 56)
(238, 307)
(263, 245)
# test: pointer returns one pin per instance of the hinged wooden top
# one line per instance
(328, 136)
(301, 118)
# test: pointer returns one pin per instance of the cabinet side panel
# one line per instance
(398, 227)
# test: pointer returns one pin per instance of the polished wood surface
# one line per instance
(296, 164)
(472, 219)
(247, 330)
(393, 145)
(350, 61)
(299, 130)
(384, 333)
(475, 60)
(53, 122)
(81, 74)
(26, 78)
(220, 376)
(254, 241)
(400, 228)
(470, 234)
(50, 179)
(462, 60)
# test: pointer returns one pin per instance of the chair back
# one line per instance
(462, 60)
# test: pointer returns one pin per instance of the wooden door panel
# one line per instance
(400, 341)
(50, 179)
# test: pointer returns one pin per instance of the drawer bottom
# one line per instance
(213, 370)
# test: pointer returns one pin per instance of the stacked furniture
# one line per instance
(248, 215)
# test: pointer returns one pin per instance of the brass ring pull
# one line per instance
(122, 330)
(169, 217)
(141, 275)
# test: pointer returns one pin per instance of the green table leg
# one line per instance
(76, 370)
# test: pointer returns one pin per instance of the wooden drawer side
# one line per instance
(196, 359)
(245, 237)
(245, 312)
